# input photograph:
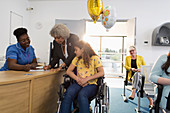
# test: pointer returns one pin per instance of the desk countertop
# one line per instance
(7, 77)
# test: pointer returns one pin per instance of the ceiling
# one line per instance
(52, 0)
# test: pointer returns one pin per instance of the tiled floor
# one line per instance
(114, 82)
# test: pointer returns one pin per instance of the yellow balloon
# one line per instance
(95, 8)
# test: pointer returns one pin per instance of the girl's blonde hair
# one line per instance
(87, 53)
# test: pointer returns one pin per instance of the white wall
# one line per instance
(46, 12)
(17, 6)
(149, 14)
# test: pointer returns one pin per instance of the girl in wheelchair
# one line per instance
(89, 69)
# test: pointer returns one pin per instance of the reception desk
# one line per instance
(29, 92)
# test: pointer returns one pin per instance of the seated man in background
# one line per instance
(20, 56)
(160, 74)
(60, 32)
(133, 64)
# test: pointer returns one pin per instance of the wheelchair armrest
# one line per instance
(65, 75)
(100, 81)
(67, 81)
(100, 93)
(100, 87)
(160, 89)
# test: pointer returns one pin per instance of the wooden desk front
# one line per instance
(29, 92)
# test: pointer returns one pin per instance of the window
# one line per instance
(110, 46)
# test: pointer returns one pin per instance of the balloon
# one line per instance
(95, 8)
(108, 17)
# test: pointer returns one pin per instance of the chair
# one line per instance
(51, 54)
(141, 93)
(101, 98)
(146, 89)
(124, 88)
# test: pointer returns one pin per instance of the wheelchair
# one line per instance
(101, 98)
(156, 108)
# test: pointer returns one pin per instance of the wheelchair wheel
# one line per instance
(61, 96)
(105, 100)
(61, 93)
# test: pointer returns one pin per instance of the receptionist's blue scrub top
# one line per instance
(18, 53)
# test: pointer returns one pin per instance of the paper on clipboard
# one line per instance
(33, 70)
(39, 68)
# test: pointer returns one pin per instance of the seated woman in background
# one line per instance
(20, 56)
(133, 64)
(160, 74)
(89, 69)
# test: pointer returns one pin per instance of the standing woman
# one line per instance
(133, 65)
(161, 74)
(89, 69)
(20, 56)
(61, 33)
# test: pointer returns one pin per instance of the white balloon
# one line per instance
(108, 17)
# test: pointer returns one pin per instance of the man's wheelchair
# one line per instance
(101, 98)
(156, 108)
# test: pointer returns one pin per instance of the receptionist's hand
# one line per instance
(27, 67)
(47, 67)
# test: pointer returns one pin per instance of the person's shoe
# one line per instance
(150, 106)
(131, 98)
(150, 103)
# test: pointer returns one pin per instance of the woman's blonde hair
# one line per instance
(132, 47)
(60, 30)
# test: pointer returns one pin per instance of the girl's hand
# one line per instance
(78, 80)
(83, 82)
